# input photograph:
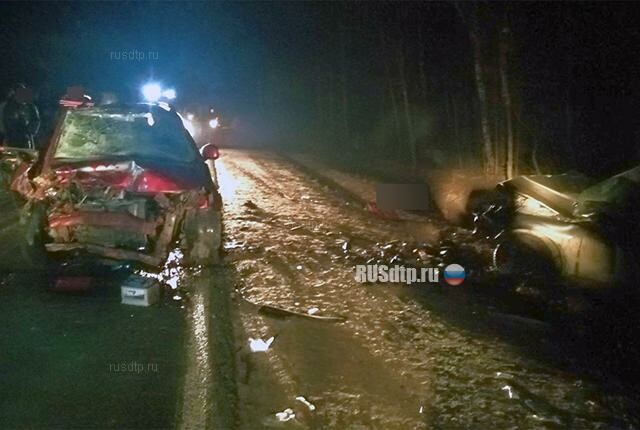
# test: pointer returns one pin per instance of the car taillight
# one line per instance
(153, 183)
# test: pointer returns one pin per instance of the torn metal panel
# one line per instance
(111, 237)
(119, 220)
(167, 235)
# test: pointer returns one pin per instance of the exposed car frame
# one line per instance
(120, 208)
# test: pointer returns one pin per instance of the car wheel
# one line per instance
(202, 232)
(524, 255)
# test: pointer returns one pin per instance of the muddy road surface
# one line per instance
(420, 356)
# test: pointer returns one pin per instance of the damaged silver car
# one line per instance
(564, 224)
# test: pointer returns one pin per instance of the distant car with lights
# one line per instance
(565, 224)
(205, 125)
(123, 182)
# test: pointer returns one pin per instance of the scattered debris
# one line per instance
(520, 321)
(543, 410)
(233, 244)
(172, 282)
(250, 205)
(285, 415)
(510, 393)
(305, 402)
(345, 246)
(280, 312)
(259, 345)
(283, 313)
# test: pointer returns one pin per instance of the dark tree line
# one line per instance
(445, 84)
(426, 83)
(509, 87)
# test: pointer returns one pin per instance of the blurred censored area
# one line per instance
(411, 197)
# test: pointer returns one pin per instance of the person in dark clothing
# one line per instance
(20, 118)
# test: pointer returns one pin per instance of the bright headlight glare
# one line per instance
(152, 92)
(169, 94)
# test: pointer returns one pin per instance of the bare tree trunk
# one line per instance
(456, 128)
(482, 98)
(498, 149)
(568, 106)
(568, 112)
(474, 37)
(396, 111)
(343, 83)
(392, 92)
(421, 65)
(407, 110)
(322, 100)
(534, 158)
(506, 99)
(446, 97)
(331, 110)
(517, 137)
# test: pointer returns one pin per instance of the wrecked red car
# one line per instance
(121, 182)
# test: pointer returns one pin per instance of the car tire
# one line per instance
(202, 232)
(524, 255)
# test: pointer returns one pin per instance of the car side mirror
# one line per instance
(210, 152)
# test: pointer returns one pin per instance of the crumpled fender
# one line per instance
(20, 182)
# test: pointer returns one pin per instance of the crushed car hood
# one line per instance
(559, 192)
(576, 196)
(130, 175)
